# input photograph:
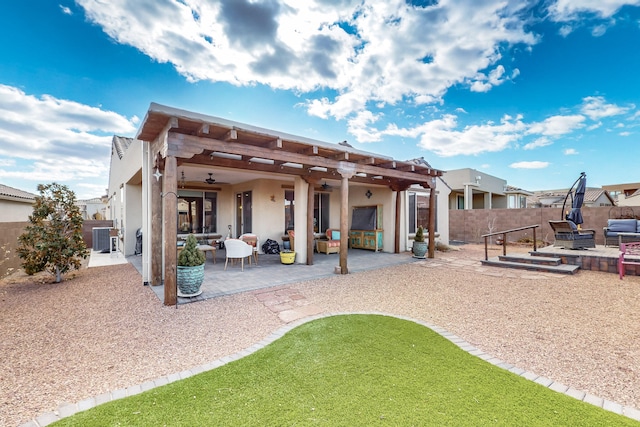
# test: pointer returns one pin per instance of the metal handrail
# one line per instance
(504, 239)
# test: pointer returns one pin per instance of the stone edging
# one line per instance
(71, 409)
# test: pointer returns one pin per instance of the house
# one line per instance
(471, 189)
(95, 208)
(191, 173)
(624, 194)
(558, 198)
(15, 205)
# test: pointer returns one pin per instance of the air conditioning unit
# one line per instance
(101, 241)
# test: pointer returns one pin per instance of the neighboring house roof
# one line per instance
(421, 161)
(511, 189)
(556, 198)
(10, 193)
(120, 144)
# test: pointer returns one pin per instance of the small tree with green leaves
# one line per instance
(53, 242)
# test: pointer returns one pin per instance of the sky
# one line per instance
(531, 92)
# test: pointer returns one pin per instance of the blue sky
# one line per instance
(532, 92)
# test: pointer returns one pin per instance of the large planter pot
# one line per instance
(287, 257)
(189, 280)
(420, 249)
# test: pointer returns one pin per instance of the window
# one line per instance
(460, 201)
(320, 212)
(512, 201)
(523, 202)
(289, 205)
(419, 212)
(197, 212)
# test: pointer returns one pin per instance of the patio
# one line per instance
(270, 272)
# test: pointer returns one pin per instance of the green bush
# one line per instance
(191, 256)
(53, 242)
(419, 235)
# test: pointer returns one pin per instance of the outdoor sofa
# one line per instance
(568, 236)
(629, 228)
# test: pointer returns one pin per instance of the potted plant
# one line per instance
(419, 245)
(190, 272)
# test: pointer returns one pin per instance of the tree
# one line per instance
(53, 242)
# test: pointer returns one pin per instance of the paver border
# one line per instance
(68, 410)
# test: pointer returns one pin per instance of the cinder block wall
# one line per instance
(469, 225)
(9, 232)
(9, 260)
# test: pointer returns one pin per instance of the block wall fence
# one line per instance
(469, 225)
(9, 232)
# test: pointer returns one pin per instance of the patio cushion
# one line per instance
(333, 243)
(335, 235)
(622, 225)
(572, 224)
(638, 226)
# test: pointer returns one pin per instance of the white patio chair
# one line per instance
(237, 249)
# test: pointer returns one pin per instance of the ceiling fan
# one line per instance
(210, 180)
(325, 186)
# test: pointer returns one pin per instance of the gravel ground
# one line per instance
(102, 330)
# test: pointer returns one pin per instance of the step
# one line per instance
(530, 259)
(559, 269)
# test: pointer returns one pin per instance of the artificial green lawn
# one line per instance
(352, 370)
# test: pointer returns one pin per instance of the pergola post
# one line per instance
(170, 229)
(156, 228)
(346, 171)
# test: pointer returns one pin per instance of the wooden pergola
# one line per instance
(178, 137)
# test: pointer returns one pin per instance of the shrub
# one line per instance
(191, 256)
(53, 242)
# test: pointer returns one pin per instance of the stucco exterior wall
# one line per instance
(15, 211)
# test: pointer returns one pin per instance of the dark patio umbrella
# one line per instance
(580, 185)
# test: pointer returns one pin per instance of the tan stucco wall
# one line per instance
(14, 211)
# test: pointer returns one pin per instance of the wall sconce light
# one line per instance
(157, 174)
(368, 194)
(182, 180)
(273, 198)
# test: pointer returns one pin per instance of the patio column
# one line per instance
(432, 219)
(310, 205)
(170, 229)
(346, 171)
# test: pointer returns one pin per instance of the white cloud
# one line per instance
(569, 10)
(65, 10)
(7, 162)
(540, 142)
(595, 107)
(570, 152)
(443, 138)
(529, 165)
(65, 140)
(624, 133)
(365, 51)
(557, 125)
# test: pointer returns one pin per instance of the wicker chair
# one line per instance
(331, 245)
(569, 237)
